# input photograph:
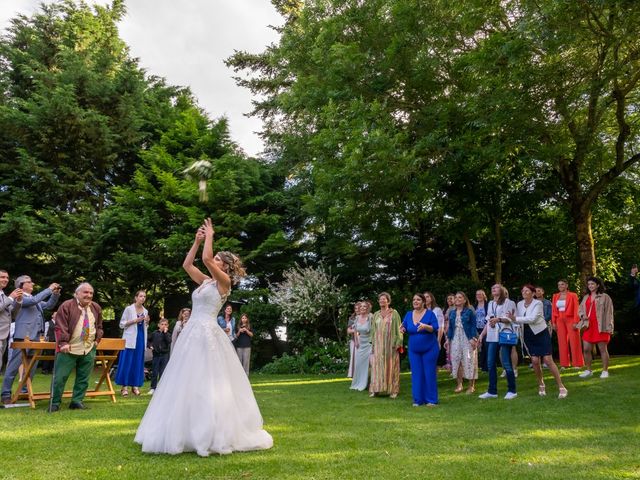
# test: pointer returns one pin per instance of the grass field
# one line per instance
(322, 430)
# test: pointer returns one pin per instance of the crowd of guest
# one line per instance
(466, 339)
(76, 328)
(462, 339)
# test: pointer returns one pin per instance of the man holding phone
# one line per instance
(29, 323)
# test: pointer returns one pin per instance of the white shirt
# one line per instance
(500, 311)
(439, 316)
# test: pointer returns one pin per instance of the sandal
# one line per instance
(471, 390)
(563, 392)
(542, 390)
(124, 392)
(458, 389)
(136, 391)
(393, 395)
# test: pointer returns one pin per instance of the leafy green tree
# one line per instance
(75, 110)
(392, 112)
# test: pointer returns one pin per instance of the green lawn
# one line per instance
(323, 430)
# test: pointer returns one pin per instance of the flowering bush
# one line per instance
(310, 300)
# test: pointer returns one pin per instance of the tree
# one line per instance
(370, 104)
(75, 111)
(568, 74)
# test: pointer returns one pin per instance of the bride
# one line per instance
(204, 402)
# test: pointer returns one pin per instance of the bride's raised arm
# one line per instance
(195, 274)
(223, 279)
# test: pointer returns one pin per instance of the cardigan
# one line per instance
(130, 333)
(532, 315)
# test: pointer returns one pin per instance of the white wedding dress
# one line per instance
(204, 402)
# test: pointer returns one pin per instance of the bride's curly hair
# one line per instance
(235, 268)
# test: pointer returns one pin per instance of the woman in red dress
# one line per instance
(596, 313)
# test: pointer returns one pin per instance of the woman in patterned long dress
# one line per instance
(462, 338)
(386, 339)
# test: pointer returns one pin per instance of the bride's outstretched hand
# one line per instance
(208, 227)
(200, 234)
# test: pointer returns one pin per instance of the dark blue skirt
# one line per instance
(538, 345)
(130, 372)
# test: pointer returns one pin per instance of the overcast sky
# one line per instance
(186, 42)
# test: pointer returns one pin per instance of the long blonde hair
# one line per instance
(236, 270)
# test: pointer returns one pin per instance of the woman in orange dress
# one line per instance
(564, 318)
(596, 312)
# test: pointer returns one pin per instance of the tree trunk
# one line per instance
(498, 234)
(581, 216)
(473, 266)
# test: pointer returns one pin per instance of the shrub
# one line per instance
(327, 357)
(310, 301)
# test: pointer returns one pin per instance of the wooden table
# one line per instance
(31, 352)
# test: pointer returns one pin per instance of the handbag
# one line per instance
(507, 337)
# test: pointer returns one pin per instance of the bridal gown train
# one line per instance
(204, 402)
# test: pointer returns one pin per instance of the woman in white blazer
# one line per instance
(134, 322)
(537, 340)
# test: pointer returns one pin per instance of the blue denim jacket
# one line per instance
(468, 318)
(223, 324)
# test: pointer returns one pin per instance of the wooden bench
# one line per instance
(32, 352)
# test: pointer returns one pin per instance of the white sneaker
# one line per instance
(515, 373)
(150, 392)
(486, 395)
(604, 374)
(510, 396)
(585, 374)
(503, 374)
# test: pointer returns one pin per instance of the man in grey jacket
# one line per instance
(29, 323)
(9, 308)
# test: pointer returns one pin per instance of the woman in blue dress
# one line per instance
(422, 326)
(134, 322)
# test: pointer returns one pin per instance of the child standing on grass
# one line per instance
(160, 343)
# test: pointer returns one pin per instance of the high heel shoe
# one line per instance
(135, 391)
(542, 390)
